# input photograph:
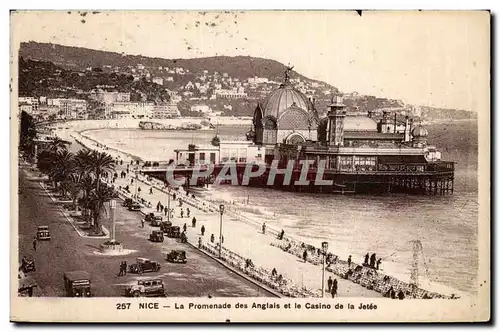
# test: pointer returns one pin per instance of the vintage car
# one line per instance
(164, 225)
(144, 265)
(153, 219)
(28, 264)
(173, 231)
(177, 256)
(43, 233)
(127, 202)
(26, 285)
(134, 207)
(77, 284)
(147, 288)
(156, 236)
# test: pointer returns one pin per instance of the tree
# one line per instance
(27, 132)
(100, 162)
(216, 141)
(63, 166)
(56, 145)
(98, 197)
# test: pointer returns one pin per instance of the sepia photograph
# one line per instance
(250, 166)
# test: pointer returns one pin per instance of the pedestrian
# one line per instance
(304, 255)
(222, 239)
(330, 283)
(158, 207)
(174, 196)
(131, 181)
(349, 260)
(200, 243)
(212, 238)
(202, 230)
(124, 268)
(379, 261)
(188, 212)
(274, 272)
(121, 269)
(166, 212)
(182, 213)
(142, 223)
(34, 243)
(139, 189)
(373, 259)
(334, 288)
(151, 191)
(264, 228)
(367, 257)
(184, 228)
(193, 222)
(401, 295)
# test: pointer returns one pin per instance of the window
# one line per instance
(212, 157)
(345, 163)
(365, 163)
(202, 157)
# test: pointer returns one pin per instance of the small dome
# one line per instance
(419, 131)
(282, 98)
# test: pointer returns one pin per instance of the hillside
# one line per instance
(70, 70)
(78, 58)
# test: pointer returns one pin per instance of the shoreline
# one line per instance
(276, 245)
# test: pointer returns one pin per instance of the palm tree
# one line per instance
(86, 185)
(100, 162)
(57, 145)
(97, 198)
(62, 167)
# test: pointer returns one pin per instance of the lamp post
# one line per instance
(136, 180)
(168, 206)
(324, 247)
(112, 207)
(221, 210)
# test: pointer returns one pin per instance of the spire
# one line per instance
(287, 74)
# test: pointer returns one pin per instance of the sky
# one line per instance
(438, 59)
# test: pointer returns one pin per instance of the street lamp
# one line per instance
(221, 209)
(324, 247)
(168, 206)
(112, 207)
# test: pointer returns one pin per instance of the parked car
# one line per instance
(153, 219)
(173, 231)
(134, 207)
(177, 256)
(144, 265)
(43, 233)
(127, 202)
(148, 288)
(77, 284)
(28, 264)
(156, 236)
(26, 285)
(164, 225)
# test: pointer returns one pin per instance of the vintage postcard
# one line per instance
(250, 166)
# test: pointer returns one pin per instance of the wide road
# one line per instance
(67, 251)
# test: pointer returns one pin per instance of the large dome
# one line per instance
(282, 99)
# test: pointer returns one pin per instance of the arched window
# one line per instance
(270, 123)
(295, 138)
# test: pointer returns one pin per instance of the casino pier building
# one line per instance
(355, 153)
